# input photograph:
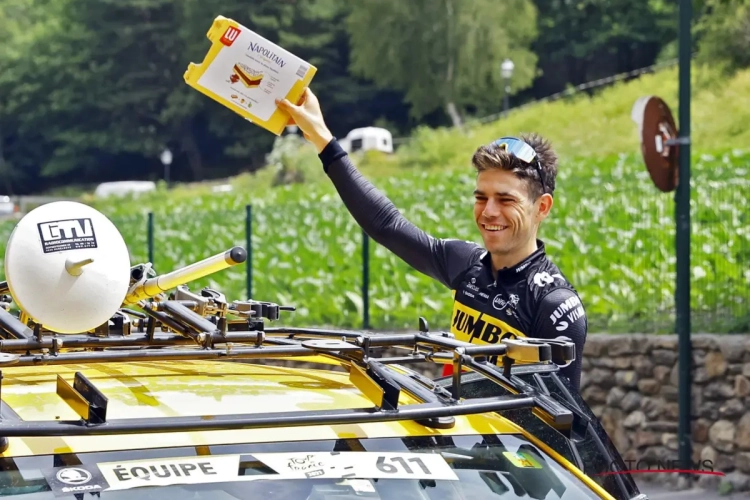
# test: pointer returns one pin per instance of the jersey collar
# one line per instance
(509, 272)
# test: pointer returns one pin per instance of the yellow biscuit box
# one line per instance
(246, 73)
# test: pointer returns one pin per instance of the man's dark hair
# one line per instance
(491, 156)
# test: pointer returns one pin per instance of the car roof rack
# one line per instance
(166, 329)
(168, 323)
(185, 325)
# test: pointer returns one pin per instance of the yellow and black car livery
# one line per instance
(194, 396)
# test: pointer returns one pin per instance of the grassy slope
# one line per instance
(581, 127)
(611, 232)
(601, 126)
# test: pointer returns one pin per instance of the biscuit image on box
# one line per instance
(247, 76)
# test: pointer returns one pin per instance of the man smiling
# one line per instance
(506, 289)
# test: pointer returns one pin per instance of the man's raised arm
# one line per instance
(441, 259)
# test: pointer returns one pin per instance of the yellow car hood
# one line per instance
(199, 388)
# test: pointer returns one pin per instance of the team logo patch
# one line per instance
(544, 278)
(500, 303)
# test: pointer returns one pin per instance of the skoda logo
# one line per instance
(74, 476)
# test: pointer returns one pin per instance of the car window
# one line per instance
(468, 467)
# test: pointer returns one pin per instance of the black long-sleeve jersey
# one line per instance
(530, 299)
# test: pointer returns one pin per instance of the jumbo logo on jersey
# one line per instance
(470, 325)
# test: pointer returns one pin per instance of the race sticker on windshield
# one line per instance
(522, 460)
(359, 465)
(165, 472)
(350, 466)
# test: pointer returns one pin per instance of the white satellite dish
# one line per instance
(67, 267)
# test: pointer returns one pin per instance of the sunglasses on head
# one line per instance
(523, 152)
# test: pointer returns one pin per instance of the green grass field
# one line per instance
(611, 232)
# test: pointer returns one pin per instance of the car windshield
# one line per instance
(414, 468)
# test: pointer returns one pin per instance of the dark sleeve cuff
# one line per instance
(332, 152)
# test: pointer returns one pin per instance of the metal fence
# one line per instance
(622, 259)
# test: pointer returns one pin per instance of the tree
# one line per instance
(93, 81)
(443, 54)
(584, 40)
(23, 23)
(93, 90)
(723, 33)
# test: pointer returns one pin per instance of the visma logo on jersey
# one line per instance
(571, 310)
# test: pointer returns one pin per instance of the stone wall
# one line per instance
(631, 382)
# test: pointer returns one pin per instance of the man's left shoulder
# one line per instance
(545, 277)
(558, 304)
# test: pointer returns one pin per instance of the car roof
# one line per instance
(153, 389)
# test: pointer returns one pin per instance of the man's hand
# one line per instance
(309, 118)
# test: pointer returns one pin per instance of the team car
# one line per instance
(186, 394)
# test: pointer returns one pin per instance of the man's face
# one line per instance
(505, 215)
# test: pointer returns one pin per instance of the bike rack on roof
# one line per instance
(205, 326)
(182, 327)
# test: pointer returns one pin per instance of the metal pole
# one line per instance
(249, 239)
(150, 228)
(506, 95)
(365, 280)
(682, 213)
